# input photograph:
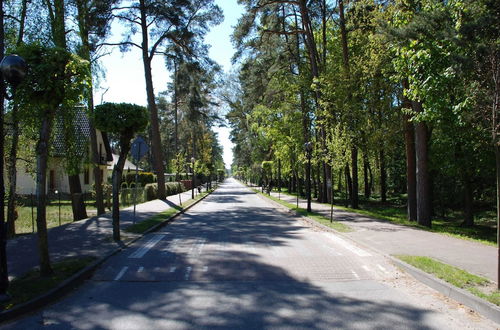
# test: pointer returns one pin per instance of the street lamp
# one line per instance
(308, 148)
(192, 179)
(13, 70)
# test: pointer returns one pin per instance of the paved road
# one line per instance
(236, 261)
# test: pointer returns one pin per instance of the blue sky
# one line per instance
(124, 80)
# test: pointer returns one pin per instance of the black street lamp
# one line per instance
(13, 70)
(308, 148)
(192, 179)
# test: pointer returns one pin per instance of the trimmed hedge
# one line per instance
(143, 178)
(172, 188)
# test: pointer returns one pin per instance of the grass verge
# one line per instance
(143, 226)
(32, 285)
(313, 215)
(476, 285)
(397, 214)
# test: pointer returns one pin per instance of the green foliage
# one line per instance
(143, 178)
(55, 77)
(172, 188)
(120, 118)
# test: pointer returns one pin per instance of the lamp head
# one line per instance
(13, 68)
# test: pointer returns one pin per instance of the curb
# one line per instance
(77, 279)
(479, 305)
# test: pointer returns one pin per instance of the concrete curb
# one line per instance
(77, 279)
(479, 305)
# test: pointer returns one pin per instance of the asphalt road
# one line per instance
(236, 261)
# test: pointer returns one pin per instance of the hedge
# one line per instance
(172, 188)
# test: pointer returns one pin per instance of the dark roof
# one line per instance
(81, 132)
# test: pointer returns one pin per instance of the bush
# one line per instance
(172, 188)
(143, 178)
(151, 191)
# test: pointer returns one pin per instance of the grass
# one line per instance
(32, 285)
(484, 231)
(313, 215)
(476, 285)
(143, 226)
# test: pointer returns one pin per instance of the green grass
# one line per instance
(484, 231)
(32, 285)
(477, 285)
(313, 215)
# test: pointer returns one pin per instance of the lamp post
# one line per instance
(13, 70)
(308, 148)
(192, 179)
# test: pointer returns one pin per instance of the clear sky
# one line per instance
(124, 81)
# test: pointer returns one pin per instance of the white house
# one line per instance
(57, 177)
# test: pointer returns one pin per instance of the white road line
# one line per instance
(140, 252)
(188, 273)
(355, 274)
(347, 245)
(366, 268)
(172, 269)
(382, 268)
(121, 273)
(140, 269)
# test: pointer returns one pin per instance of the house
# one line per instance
(127, 168)
(57, 177)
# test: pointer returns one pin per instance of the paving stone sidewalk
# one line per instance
(88, 237)
(393, 239)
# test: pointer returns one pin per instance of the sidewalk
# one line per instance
(89, 237)
(394, 239)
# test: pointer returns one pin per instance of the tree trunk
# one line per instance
(411, 167)
(355, 184)
(156, 145)
(4, 278)
(422, 171)
(348, 182)
(468, 203)
(116, 179)
(383, 177)
(41, 196)
(77, 200)
(366, 177)
(12, 170)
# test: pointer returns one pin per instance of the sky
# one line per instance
(124, 80)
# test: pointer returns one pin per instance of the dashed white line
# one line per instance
(121, 273)
(140, 252)
(355, 274)
(382, 268)
(172, 269)
(140, 269)
(365, 267)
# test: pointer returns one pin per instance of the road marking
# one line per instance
(172, 269)
(140, 252)
(188, 273)
(366, 268)
(140, 269)
(121, 273)
(382, 268)
(347, 245)
(355, 274)
(205, 269)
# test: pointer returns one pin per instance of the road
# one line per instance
(236, 261)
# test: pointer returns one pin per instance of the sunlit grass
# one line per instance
(477, 285)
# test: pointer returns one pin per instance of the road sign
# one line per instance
(139, 148)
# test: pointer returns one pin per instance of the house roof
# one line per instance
(128, 164)
(81, 132)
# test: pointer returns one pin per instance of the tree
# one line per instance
(178, 22)
(126, 120)
(94, 18)
(56, 78)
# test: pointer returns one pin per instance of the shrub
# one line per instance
(143, 178)
(151, 191)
